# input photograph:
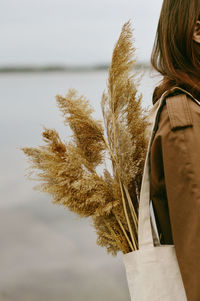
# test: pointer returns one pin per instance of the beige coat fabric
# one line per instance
(175, 184)
(152, 271)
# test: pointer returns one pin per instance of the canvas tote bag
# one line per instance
(152, 271)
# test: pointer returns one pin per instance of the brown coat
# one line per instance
(175, 185)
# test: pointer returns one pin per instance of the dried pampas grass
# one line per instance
(68, 171)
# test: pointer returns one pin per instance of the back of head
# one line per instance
(175, 54)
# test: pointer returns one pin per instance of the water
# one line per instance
(48, 253)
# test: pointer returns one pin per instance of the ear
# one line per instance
(196, 35)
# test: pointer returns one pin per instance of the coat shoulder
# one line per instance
(179, 111)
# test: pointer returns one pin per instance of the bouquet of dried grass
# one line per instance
(68, 171)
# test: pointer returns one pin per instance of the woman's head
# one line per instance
(176, 50)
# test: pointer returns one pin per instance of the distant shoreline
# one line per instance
(57, 68)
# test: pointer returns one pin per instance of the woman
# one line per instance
(175, 150)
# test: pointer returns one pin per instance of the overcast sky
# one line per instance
(73, 31)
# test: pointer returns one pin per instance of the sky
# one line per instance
(73, 32)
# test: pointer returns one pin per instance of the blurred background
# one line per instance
(47, 47)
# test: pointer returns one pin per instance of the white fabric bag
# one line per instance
(152, 271)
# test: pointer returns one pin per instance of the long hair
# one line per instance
(175, 54)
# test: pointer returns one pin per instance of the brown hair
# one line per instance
(175, 54)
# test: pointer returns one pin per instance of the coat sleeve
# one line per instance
(179, 133)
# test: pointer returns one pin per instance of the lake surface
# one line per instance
(46, 252)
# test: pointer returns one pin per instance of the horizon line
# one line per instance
(62, 67)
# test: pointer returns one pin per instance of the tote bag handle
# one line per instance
(145, 237)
